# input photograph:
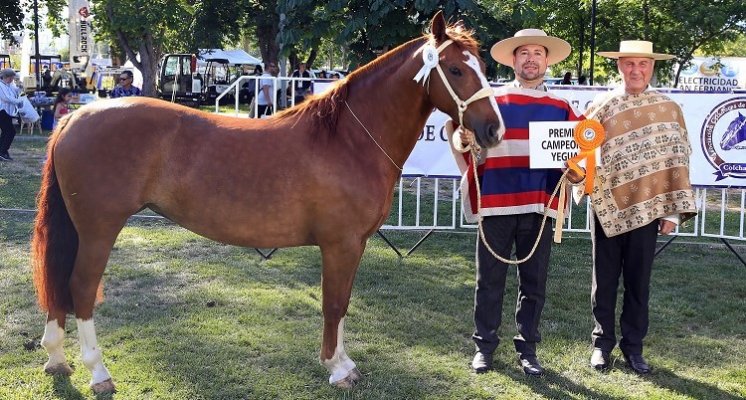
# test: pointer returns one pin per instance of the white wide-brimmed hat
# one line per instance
(557, 49)
(635, 48)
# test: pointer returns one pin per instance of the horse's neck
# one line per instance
(393, 108)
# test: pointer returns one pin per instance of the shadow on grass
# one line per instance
(64, 389)
(555, 386)
(687, 387)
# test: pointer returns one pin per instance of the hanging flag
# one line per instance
(81, 39)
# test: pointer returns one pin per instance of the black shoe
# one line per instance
(482, 362)
(600, 359)
(5, 157)
(637, 363)
(531, 365)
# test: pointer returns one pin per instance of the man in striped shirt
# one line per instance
(514, 197)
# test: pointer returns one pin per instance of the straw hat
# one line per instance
(635, 48)
(557, 49)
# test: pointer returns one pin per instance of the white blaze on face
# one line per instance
(90, 352)
(340, 364)
(473, 63)
(52, 341)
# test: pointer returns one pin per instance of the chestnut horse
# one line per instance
(321, 173)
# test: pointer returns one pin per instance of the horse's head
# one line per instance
(460, 88)
(736, 133)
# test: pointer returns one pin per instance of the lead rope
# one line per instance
(561, 186)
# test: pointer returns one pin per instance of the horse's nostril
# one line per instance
(493, 132)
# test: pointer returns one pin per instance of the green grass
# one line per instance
(187, 318)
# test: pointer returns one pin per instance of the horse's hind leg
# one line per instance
(54, 337)
(340, 263)
(93, 253)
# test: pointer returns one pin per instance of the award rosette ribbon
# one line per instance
(589, 135)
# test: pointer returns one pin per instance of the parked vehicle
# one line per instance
(179, 81)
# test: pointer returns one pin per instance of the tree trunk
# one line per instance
(311, 58)
(149, 57)
(267, 37)
(581, 47)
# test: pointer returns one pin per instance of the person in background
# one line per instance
(567, 80)
(61, 105)
(582, 80)
(63, 78)
(265, 99)
(9, 103)
(125, 88)
(514, 198)
(641, 190)
(46, 78)
(302, 87)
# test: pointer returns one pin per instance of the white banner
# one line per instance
(715, 122)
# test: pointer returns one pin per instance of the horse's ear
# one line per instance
(438, 27)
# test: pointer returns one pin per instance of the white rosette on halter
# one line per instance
(430, 60)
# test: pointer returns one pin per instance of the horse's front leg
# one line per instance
(340, 263)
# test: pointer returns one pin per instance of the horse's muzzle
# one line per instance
(489, 135)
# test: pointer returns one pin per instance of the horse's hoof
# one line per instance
(58, 369)
(350, 380)
(106, 386)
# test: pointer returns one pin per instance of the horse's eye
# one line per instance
(455, 71)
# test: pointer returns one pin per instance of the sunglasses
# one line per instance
(123, 79)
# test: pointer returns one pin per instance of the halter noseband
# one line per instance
(431, 59)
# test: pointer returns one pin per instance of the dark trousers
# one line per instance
(629, 255)
(8, 131)
(502, 232)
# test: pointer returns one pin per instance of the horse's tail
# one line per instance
(55, 242)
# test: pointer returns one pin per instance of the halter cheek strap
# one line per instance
(430, 58)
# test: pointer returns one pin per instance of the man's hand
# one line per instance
(467, 136)
(665, 227)
(573, 176)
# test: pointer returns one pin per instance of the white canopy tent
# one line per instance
(233, 57)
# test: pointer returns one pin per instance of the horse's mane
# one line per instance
(324, 109)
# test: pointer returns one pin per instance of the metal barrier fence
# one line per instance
(422, 203)
(285, 84)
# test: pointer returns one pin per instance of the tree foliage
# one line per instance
(677, 27)
(366, 28)
(11, 19)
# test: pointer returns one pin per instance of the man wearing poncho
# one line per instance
(514, 197)
(641, 189)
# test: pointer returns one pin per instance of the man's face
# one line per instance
(272, 69)
(636, 73)
(530, 62)
(125, 80)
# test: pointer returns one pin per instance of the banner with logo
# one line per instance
(79, 28)
(709, 74)
(715, 122)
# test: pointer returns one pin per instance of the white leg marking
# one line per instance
(90, 352)
(340, 364)
(53, 338)
(473, 63)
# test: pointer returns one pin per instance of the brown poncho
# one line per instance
(645, 161)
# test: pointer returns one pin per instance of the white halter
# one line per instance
(431, 58)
